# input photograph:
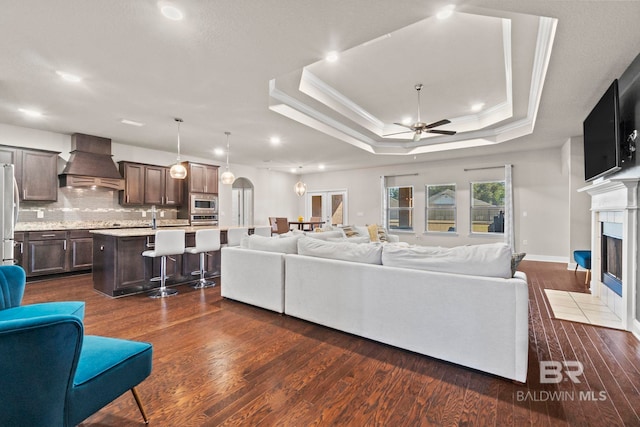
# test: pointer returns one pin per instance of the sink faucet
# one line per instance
(154, 223)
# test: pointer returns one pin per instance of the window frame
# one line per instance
(497, 234)
(454, 207)
(389, 209)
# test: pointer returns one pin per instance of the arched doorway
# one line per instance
(242, 202)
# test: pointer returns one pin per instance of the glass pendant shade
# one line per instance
(300, 188)
(227, 177)
(178, 171)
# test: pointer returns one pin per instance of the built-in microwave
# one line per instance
(206, 204)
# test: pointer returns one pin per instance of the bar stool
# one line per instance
(206, 241)
(262, 231)
(168, 242)
(235, 235)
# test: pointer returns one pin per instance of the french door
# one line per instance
(329, 206)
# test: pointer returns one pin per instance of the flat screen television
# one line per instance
(602, 136)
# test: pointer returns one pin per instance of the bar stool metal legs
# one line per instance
(203, 282)
(207, 240)
(163, 291)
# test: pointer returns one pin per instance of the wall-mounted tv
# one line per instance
(602, 136)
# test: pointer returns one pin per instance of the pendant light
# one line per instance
(227, 177)
(300, 188)
(178, 171)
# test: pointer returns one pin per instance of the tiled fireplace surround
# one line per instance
(615, 201)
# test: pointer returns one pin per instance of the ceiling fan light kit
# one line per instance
(420, 127)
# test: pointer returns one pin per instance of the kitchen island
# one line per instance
(120, 269)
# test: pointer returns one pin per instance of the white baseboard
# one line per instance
(572, 266)
(547, 258)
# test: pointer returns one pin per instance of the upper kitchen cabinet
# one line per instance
(41, 168)
(133, 174)
(160, 188)
(149, 185)
(203, 178)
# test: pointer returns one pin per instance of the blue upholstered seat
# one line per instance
(52, 374)
(583, 259)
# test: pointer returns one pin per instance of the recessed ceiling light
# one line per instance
(332, 56)
(30, 113)
(171, 12)
(69, 77)
(274, 140)
(477, 107)
(406, 121)
(321, 167)
(131, 122)
(293, 170)
(445, 12)
(218, 152)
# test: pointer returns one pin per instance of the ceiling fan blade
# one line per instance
(438, 123)
(442, 132)
(396, 133)
(416, 136)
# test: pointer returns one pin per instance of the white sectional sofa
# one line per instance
(473, 320)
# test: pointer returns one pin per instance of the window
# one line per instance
(400, 208)
(487, 207)
(441, 208)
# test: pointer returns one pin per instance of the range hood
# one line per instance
(90, 164)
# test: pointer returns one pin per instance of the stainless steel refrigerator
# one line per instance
(10, 204)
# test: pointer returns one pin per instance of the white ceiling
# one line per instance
(213, 69)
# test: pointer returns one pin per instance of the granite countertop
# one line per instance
(95, 225)
(134, 232)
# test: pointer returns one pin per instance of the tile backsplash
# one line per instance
(85, 204)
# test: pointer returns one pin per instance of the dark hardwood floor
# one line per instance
(220, 362)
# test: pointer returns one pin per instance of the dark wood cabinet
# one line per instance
(154, 185)
(133, 193)
(150, 185)
(47, 253)
(173, 190)
(39, 175)
(19, 249)
(203, 178)
(36, 172)
(53, 252)
(80, 247)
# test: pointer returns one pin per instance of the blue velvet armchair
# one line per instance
(52, 374)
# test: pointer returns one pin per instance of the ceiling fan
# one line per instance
(420, 127)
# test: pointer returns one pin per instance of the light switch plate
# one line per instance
(40, 214)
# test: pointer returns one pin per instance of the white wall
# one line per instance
(579, 220)
(540, 191)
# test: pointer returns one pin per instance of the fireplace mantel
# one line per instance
(615, 200)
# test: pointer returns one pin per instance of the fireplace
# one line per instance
(612, 256)
(615, 245)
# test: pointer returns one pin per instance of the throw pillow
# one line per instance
(382, 234)
(336, 234)
(287, 245)
(489, 260)
(345, 251)
(373, 232)
(515, 261)
(349, 230)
